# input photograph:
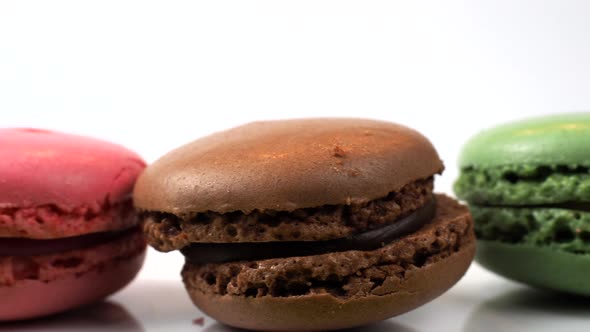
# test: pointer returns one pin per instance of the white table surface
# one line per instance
(153, 75)
(479, 302)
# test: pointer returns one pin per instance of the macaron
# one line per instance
(69, 234)
(528, 186)
(309, 224)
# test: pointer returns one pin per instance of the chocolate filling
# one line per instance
(201, 253)
(33, 247)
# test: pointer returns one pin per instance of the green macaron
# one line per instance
(528, 187)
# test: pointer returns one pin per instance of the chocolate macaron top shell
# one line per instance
(287, 165)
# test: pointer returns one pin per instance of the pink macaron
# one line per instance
(68, 232)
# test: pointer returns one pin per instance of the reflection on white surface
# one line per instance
(531, 310)
(480, 302)
(98, 317)
(385, 326)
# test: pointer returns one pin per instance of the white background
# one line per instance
(154, 75)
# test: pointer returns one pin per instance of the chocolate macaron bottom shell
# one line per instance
(342, 289)
(326, 312)
(541, 267)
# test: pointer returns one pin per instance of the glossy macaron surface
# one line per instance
(537, 161)
(288, 164)
(539, 266)
(68, 230)
(43, 167)
(550, 140)
(55, 185)
(528, 185)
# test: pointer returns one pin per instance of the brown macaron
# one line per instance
(311, 224)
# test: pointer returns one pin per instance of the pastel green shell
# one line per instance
(550, 140)
(542, 267)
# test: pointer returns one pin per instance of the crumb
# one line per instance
(338, 152)
(199, 321)
(368, 133)
(339, 162)
(354, 172)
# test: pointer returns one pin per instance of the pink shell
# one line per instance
(39, 167)
(32, 298)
